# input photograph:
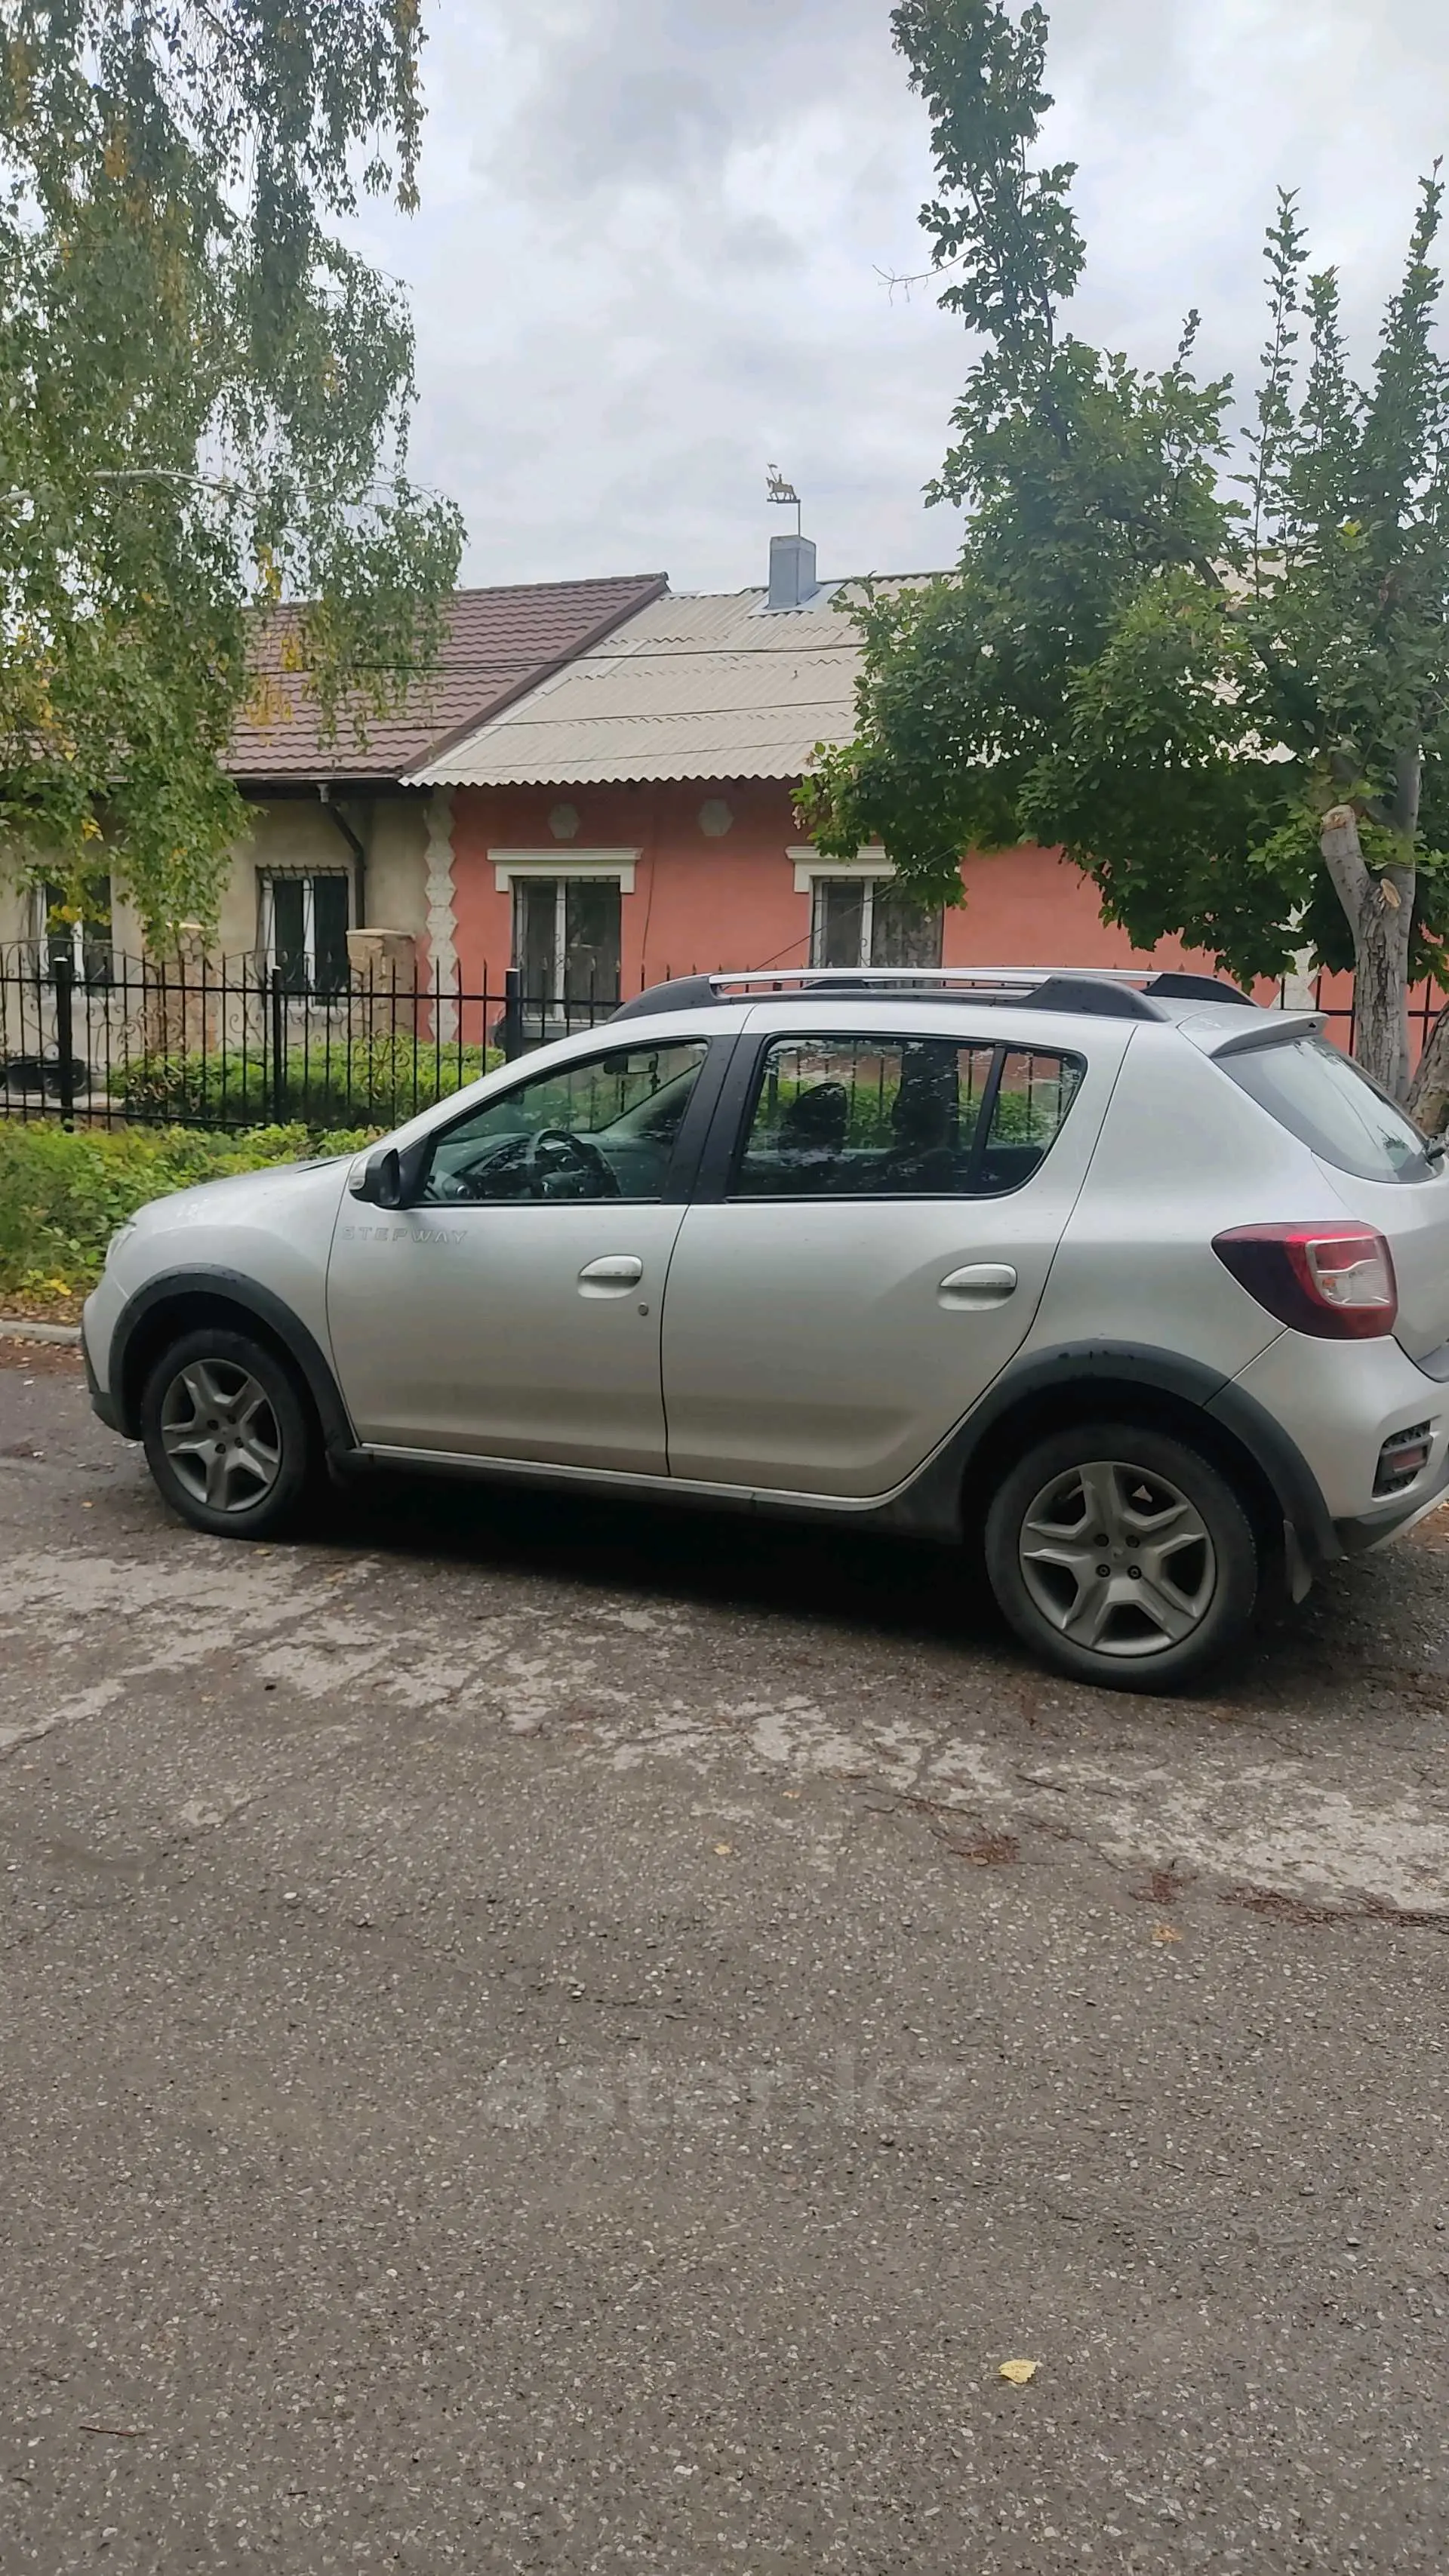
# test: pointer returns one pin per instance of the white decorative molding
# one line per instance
(563, 822)
(510, 865)
(442, 916)
(809, 865)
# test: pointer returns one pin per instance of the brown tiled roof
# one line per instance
(498, 644)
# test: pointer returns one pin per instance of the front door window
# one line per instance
(603, 1129)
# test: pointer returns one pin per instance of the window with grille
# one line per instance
(566, 939)
(305, 920)
(868, 921)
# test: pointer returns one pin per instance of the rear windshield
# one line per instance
(1332, 1107)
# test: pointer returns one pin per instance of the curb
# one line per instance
(15, 1329)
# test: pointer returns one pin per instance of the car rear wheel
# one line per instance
(1122, 1556)
(229, 1437)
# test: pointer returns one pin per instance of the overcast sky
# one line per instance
(647, 261)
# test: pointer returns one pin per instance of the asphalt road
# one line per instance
(544, 2038)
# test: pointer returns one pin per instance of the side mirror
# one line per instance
(380, 1181)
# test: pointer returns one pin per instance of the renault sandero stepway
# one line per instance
(1139, 1290)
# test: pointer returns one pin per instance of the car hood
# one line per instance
(244, 1196)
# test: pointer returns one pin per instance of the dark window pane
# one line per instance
(289, 930)
(1331, 1107)
(1036, 1093)
(903, 933)
(591, 940)
(97, 964)
(838, 930)
(535, 937)
(607, 1128)
(862, 1118)
(329, 934)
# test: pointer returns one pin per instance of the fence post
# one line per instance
(65, 1035)
(279, 1061)
(512, 1013)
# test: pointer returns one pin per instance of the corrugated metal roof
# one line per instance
(497, 643)
(710, 686)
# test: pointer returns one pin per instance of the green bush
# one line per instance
(63, 1194)
(377, 1082)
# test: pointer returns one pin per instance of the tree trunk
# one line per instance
(1429, 1090)
(1380, 911)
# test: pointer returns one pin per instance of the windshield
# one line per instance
(1325, 1100)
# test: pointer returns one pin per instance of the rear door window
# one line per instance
(868, 1117)
(1332, 1107)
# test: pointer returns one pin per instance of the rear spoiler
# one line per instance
(1270, 1028)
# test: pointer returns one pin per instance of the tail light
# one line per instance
(1335, 1281)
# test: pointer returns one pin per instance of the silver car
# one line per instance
(1140, 1290)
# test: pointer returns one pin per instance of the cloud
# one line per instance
(653, 232)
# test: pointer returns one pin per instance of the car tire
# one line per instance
(229, 1434)
(1122, 1556)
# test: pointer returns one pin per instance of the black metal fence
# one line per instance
(240, 1044)
(115, 1041)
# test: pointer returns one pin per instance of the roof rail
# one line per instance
(1114, 992)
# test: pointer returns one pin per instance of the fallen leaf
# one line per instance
(1018, 2372)
(1165, 1932)
(724, 1850)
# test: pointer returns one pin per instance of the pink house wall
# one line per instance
(703, 901)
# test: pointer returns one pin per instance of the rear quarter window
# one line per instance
(1332, 1107)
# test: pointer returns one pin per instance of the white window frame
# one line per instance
(511, 864)
(269, 879)
(516, 867)
(868, 868)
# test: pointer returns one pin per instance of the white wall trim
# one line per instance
(809, 865)
(442, 921)
(565, 862)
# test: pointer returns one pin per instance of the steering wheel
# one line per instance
(554, 1151)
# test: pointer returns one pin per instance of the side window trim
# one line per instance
(729, 1127)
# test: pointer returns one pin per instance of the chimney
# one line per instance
(792, 572)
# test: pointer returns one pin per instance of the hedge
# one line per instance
(63, 1194)
(377, 1082)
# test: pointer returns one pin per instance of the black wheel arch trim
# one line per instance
(932, 1503)
(254, 1300)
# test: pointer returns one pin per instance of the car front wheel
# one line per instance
(228, 1435)
(1122, 1556)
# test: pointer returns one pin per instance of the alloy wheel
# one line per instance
(1117, 1559)
(221, 1436)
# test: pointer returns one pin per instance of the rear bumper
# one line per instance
(1340, 1403)
(1373, 1529)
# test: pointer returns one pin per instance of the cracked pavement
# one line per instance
(548, 2035)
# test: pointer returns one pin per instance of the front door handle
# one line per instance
(980, 1284)
(613, 1275)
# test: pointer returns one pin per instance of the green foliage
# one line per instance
(1171, 644)
(207, 400)
(376, 1083)
(63, 1193)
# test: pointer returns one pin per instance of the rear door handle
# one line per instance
(613, 1275)
(979, 1284)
